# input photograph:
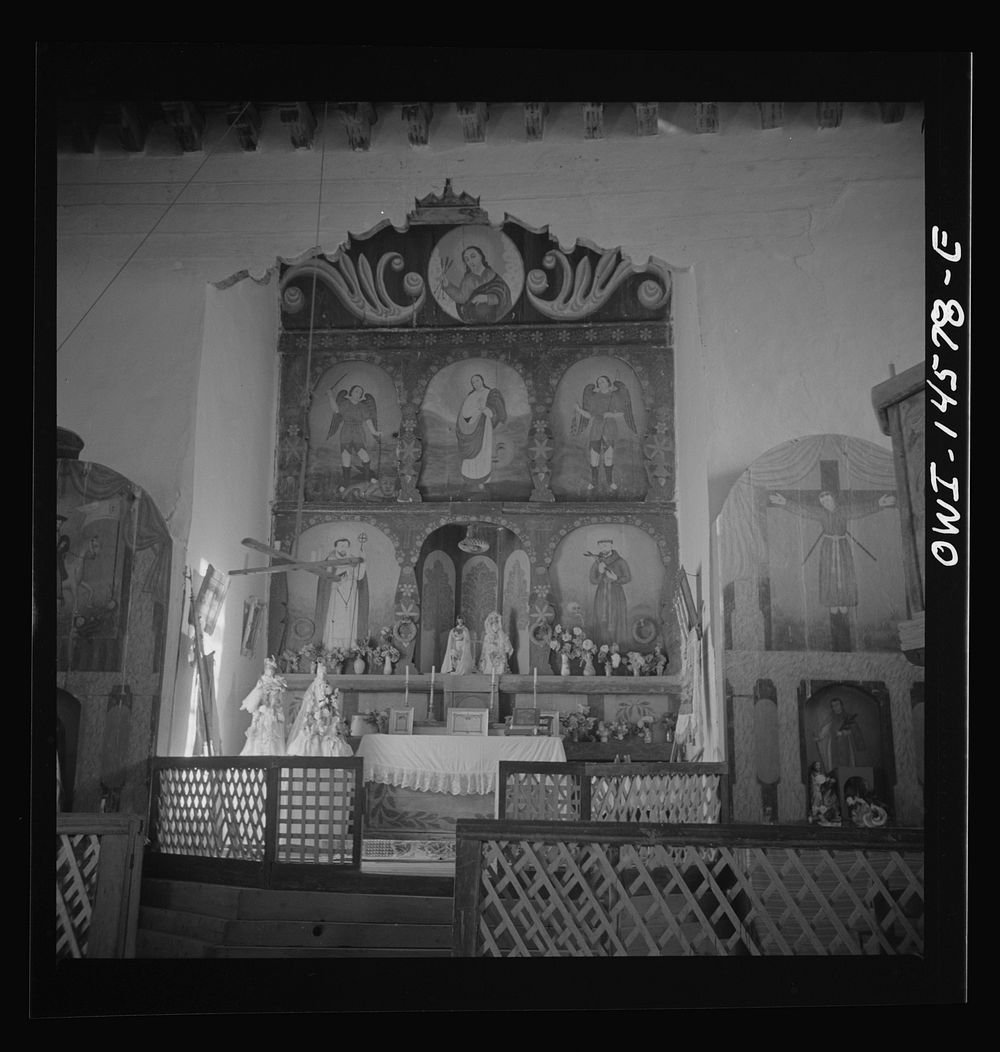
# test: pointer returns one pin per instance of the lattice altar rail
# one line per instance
(98, 874)
(255, 818)
(597, 889)
(610, 792)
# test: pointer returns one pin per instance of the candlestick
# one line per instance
(430, 700)
(534, 690)
(406, 691)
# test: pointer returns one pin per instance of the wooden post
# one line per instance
(272, 783)
(468, 884)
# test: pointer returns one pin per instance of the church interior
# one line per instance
(531, 466)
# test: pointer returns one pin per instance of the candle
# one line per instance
(406, 692)
(430, 700)
(534, 690)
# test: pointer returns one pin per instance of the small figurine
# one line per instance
(496, 646)
(660, 660)
(458, 657)
(266, 733)
(615, 660)
(817, 779)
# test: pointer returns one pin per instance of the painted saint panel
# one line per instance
(517, 574)
(353, 413)
(599, 420)
(479, 594)
(475, 418)
(810, 541)
(437, 608)
(348, 602)
(476, 274)
(608, 577)
(841, 727)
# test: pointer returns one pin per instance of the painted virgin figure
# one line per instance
(483, 411)
(609, 571)
(839, 738)
(355, 417)
(266, 733)
(481, 295)
(497, 647)
(604, 412)
(459, 658)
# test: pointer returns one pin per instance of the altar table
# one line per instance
(462, 765)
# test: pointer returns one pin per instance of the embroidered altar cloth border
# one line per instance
(462, 765)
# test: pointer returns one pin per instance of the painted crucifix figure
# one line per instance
(834, 509)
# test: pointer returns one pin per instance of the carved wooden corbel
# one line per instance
(534, 120)
(245, 118)
(188, 122)
(772, 114)
(829, 114)
(892, 112)
(131, 128)
(646, 118)
(417, 117)
(593, 120)
(358, 118)
(706, 117)
(474, 116)
(300, 120)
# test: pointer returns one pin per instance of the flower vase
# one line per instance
(564, 670)
(607, 668)
(387, 666)
(588, 665)
(359, 666)
(647, 736)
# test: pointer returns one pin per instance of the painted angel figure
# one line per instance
(316, 730)
(483, 410)
(605, 412)
(497, 647)
(266, 733)
(355, 417)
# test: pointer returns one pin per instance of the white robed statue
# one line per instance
(497, 647)
(316, 730)
(459, 658)
(266, 733)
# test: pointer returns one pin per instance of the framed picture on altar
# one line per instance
(469, 721)
(525, 721)
(548, 723)
(401, 721)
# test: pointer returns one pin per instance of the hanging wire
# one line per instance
(152, 229)
(309, 347)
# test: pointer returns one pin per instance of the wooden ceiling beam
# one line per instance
(892, 112)
(829, 114)
(132, 127)
(299, 119)
(772, 115)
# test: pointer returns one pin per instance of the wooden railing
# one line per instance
(614, 792)
(261, 821)
(98, 875)
(568, 889)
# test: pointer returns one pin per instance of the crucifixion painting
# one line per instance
(833, 510)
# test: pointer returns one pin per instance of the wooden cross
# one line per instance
(286, 563)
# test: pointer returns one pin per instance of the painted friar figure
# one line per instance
(266, 733)
(317, 730)
(604, 411)
(355, 417)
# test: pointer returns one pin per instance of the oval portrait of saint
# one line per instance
(476, 274)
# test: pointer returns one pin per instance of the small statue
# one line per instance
(660, 660)
(317, 730)
(615, 660)
(266, 733)
(496, 646)
(458, 657)
(817, 779)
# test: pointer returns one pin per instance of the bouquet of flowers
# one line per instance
(644, 728)
(570, 641)
(669, 721)
(325, 713)
(334, 657)
(636, 662)
(379, 719)
(579, 723)
(309, 655)
(384, 647)
(610, 657)
(288, 659)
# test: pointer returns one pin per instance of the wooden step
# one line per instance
(323, 951)
(344, 935)
(150, 944)
(176, 922)
(212, 900)
(318, 907)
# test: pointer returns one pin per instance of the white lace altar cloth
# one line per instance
(462, 765)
